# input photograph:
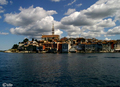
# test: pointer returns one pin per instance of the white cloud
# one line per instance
(77, 19)
(117, 16)
(79, 4)
(91, 22)
(72, 2)
(32, 22)
(98, 29)
(3, 2)
(3, 33)
(1, 9)
(103, 9)
(106, 23)
(107, 38)
(91, 34)
(94, 13)
(103, 14)
(92, 28)
(70, 29)
(55, 0)
(70, 11)
(43, 26)
(11, 2)
(27, 16)
(114, 31)
(58, 32)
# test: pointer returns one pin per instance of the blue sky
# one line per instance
(21, 19)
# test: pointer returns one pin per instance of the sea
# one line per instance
(59, 70)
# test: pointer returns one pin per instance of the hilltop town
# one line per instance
(53, 44)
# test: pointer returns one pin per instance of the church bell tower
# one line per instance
(53, 29)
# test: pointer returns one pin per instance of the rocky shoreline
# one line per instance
(17, 51)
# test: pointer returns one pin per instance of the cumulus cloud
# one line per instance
(27, 16)
(31, 22)
(77, 19)
(103, 9)
(3, 2)
(94, 13)
(70, 29)
(92, 28)
(58, 32)
(70, 11)
(91, 34)
(1, 9)
(55, 0)
(103, 14)
(98, 29)
(3, 33)
(35, 22)
(91, 22)
(114, 31)
(40, 27)
(92, 31)
(106, 23)
(107, 38)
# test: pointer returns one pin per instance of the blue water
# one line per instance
(60, 70)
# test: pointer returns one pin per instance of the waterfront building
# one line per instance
(111, 45)
(108, 46)
(73, 49)
(81, 40)
(105, 47)
(49, 46)
(88, 47)
(117, 46)
(40, 48)
(63, 47)
(21, 46)
(97, 47)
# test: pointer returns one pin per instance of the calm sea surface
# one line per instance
(60, 70)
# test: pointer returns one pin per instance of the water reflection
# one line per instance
(60, 70)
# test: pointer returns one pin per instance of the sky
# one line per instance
(20, 19)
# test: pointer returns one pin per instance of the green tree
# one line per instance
(36, 40)
(33, 39)
(15, 46)
(25, 40)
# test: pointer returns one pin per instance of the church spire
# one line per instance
(53, 29)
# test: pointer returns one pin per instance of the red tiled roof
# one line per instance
(44, 36)
(83, 43)
(104, 42)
